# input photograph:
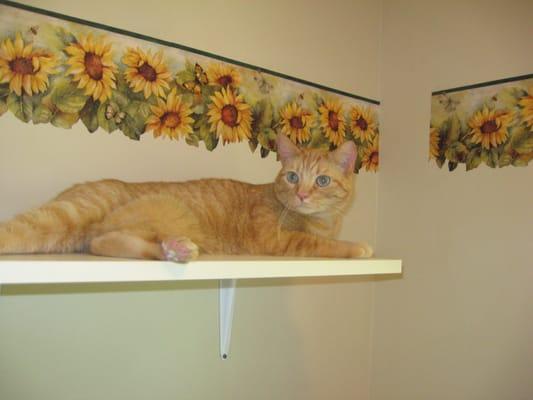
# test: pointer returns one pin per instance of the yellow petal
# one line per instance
(98, 48)
(16, 84)
(35, 85)
(27, 50)
(42, 85)
(98, 89)
(19, 45)
(147, 90)
(74, 51)
(158, 57)
(26, 83)
(91, 85)
(83, 81)
(9, 49)
(76, 70)
(107, 92)
(138, 85)
(35, 63)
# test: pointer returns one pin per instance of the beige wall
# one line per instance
(292, 339)
(458, 325)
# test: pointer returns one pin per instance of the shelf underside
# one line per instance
(73, 268)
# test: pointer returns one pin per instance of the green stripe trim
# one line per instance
(182, 47)
(483, 84)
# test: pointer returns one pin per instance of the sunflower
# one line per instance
(223, 74)
(363, 123)
(91, 65)
(230, 117)
(170, 118)
(24, 68)
(527, 110)
(370, 159)
(332, 121)
(146, 72)
(295, 123)
(434, 143)
(489, 127)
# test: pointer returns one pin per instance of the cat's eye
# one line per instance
(292, 177)
(323, 180)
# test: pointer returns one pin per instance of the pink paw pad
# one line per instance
(179, 250)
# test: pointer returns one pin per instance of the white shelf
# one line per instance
(73, 268)
(78, 268)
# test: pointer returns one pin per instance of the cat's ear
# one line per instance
(345, 156)
(286, 148)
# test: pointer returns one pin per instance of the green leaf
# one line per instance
(3, 107)
(490, 157)
(209, 139)
(65, 36)
(267, 138)
(130, 128)
(106, 124)
(21, 106)
(523, 160)
(508, 97)
(452, 165)
(522, 140)
(140, 111)
(68, 98)
(253, 144)
(89, 115)
(4, 91)
(199, 109)
(262, 115)
(473, 159)
(358, 162)
(456, 152)
(264, 152)
(454, 131)
(192, 140)
(505, 160)
(268, 114)
(318, 139)
(210, 142)
(440, 161)
(64, 120)
(42, 114)
(121, 99)
(185, 76)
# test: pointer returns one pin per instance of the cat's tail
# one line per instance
(63, 225)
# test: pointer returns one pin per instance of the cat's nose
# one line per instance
(302, 195)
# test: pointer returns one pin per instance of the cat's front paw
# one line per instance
(179, 249)
(362, 250)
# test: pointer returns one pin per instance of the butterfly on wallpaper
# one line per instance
(264, 86)
(300, 99)
(31, 33)
(113, 113)
(449, 103)
(200, 78)
(34, 29)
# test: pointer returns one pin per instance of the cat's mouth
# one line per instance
(302, 206)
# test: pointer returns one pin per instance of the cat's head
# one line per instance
(314, 181)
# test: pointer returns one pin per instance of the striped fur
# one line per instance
(208, 216)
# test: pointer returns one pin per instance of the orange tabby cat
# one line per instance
(297, 215)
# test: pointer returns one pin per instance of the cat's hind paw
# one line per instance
(362, 250)
(179, 249)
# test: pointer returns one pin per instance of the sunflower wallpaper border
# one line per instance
(62, 70)
(489, 123)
